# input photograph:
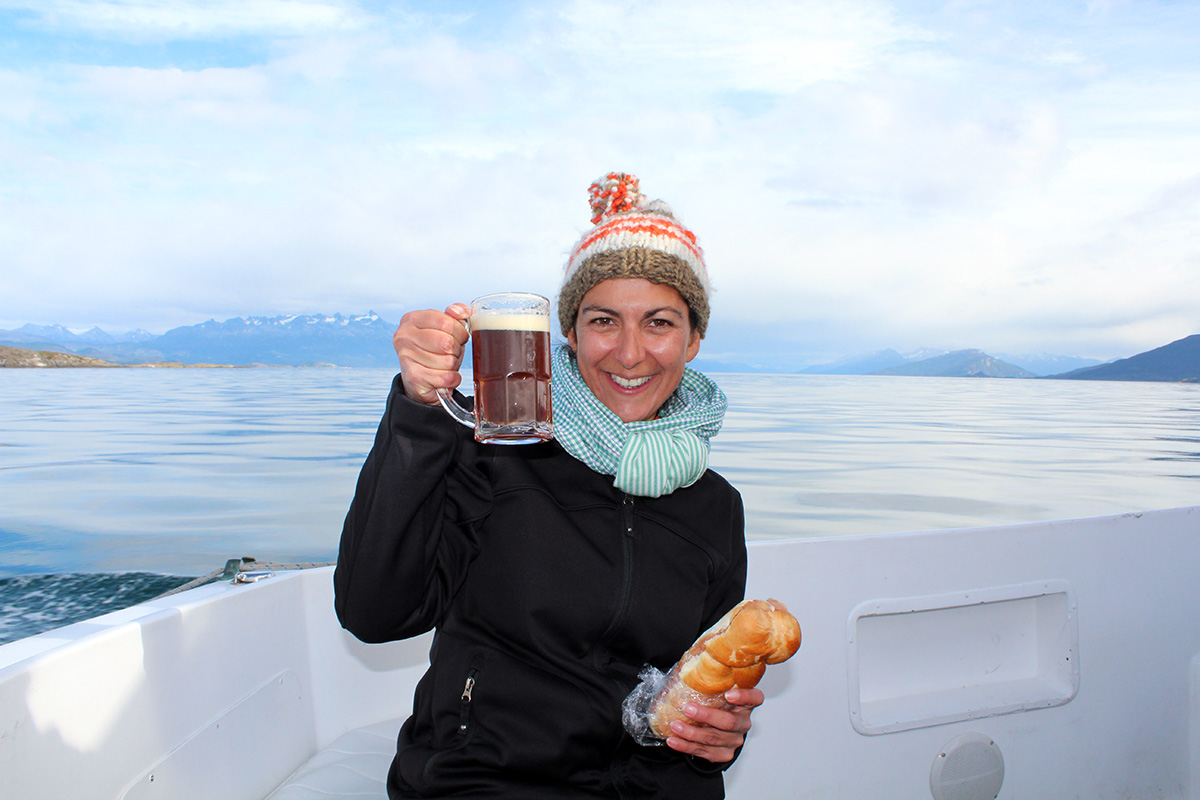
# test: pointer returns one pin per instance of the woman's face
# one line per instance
(632, 340)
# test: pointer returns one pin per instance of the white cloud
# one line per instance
(768, 45)
(904, 176)
(189, 20)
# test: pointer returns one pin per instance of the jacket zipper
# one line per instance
(627, 568)
(464, 708)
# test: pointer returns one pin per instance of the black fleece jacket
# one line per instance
(549, 589)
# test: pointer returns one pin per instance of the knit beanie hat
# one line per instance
(633, 237)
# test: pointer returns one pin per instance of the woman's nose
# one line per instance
(629, 349)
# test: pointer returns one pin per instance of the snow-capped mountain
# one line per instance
(290, 340)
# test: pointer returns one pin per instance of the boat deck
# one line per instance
(1056, 659)
(354, 766)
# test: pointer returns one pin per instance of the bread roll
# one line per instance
(733, 653)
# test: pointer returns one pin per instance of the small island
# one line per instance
(15, 357)
(18, 358)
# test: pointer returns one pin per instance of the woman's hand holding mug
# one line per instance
(430, 346)
(510, 335)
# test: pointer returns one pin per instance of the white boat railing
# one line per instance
(1055, 659)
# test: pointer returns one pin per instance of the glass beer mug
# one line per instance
(510, 356)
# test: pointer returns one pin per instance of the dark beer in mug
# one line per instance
(510, 346)
(511, 361)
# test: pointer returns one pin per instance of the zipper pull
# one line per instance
(464, 711)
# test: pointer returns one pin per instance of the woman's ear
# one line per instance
(571, 341)
(693, 345)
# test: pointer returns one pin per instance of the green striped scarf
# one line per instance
(649, 458)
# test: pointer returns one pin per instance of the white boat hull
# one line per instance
(1067, 652)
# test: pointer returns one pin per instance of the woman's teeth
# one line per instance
(629, 384)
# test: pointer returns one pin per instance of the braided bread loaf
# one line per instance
(734, 652)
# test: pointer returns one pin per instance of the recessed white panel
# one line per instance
(921, 661)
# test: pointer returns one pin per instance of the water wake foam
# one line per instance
(31, 604)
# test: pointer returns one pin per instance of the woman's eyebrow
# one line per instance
(662, 310)
(600, 310)
(612, 312)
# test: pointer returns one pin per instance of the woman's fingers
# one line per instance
(718, 733)
(429, 345)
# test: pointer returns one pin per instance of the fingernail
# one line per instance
(677, 726)
(690, 709)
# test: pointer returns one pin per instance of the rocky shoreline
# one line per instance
(18, 358)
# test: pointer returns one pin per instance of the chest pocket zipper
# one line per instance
(626, 595)
(464, 709)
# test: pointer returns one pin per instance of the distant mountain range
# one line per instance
(881, 361)
(366, 341)
(867, 363)
(59, 334)
(1177, 361)
(292, 340)
(959, 364)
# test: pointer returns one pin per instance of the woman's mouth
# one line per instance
(629, 383)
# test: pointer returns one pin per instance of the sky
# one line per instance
(1018, 177)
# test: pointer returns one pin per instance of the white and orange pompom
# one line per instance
(615, 193)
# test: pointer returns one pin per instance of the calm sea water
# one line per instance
(117, 483)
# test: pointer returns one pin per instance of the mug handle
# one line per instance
(446, 398)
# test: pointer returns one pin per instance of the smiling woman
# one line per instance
(555, 572)
(632, 342)
(634, 307)
(634, 304)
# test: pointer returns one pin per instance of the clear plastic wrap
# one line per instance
(648, 711)
(733, 652)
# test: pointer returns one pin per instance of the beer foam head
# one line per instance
(633, 237)
(504, 321)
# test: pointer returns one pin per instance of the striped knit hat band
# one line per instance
(633, 238)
